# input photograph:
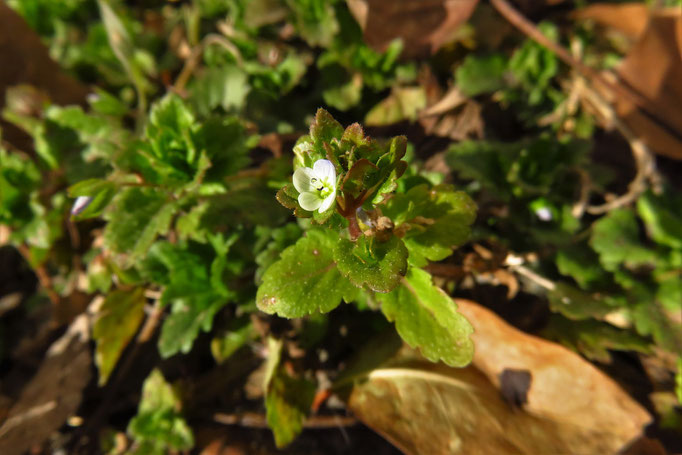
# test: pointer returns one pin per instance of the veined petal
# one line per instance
(328, 202)
(324, 170)
(309, 201)
(302, 177)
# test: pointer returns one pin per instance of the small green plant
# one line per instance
(367, 238)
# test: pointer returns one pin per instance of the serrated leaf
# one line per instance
(169, 154)
(323, 130)
(194, 287)
(435, 220)
(227, 211)
(287, 399)
(136, 216)
(224, 141)
(615, 237)
(117, 322)
(305, 280)
(426, 318)
(369, 263)
(188, 317)
(158, 425)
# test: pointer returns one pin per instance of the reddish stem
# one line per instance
(353, 226)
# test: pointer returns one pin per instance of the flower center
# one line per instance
(322, 186)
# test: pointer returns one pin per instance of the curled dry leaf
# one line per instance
(653, 67)
(567, 405)
(564, 387)
(423, 25)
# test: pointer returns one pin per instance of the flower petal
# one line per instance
(309, 201)
(328, 202)
(324, 170)
(302, 177)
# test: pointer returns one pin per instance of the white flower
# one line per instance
(316, 185)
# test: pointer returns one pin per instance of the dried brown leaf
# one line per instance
(653, 67)
(54, 393)
(628, 18)
(565, 387)
(423, 25)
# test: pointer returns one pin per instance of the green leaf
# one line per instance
(615, 237)
(435, 220)
(281, 238)
(158, 425)
(101, 192)
(426, 318)
(224, 140)
(314, 20)
(370, 263)
(169, 154)
(226, 86)
(485, 162)
(651, 319)
(19, 178)
(577, 304)
(534, 66)
(305, 279)
(287, 399)
(669, 292)
(594, 339)
(582, 264)
(189, 315)
(662, 218)
(479, 75)
(136, 216)
(239, 333)
(117, 322)
(193, 275)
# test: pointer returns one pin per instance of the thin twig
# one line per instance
(254, 420)
(43, 277)
(621, 90)
(515, 264)
(644, 159)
